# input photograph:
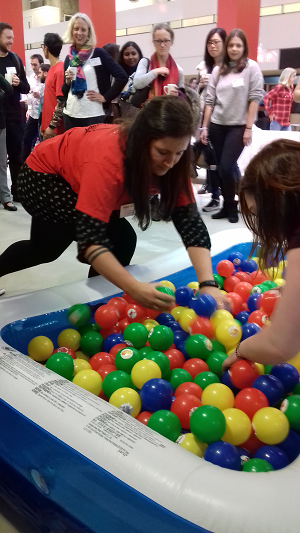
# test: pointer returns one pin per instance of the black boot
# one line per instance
(220, 214)
(233, 216)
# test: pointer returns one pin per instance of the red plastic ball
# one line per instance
(250, 401)
(183, 406)
(243, 373)
(102, 396)
(236, 302)
(195, 366)
(252, 444)
(257, 277)
(188, 388)
(230, 283)
(123, 323)
(106, 316)
(128, 298)
(135, 313)
(243, 276)
(118, 303)
(245, 307)
(268, 301)
(176, 358)
(65, 349)
(105, 369)
(225, 268)
(100, 359)
(203, 326)
(144, 417)
(258, 317)
(243, 289)
(106, 332)
(116, 348)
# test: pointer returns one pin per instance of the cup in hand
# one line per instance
(8, 77)
(74, 72)
(168, 88)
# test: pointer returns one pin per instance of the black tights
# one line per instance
(48, 240)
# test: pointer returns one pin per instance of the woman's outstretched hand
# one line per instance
(147, 295)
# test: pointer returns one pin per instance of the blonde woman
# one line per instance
(88, 71)
(278, 101)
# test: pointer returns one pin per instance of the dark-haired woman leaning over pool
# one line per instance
(78, 186)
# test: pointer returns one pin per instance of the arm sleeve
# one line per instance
(268, 101)
(256, 91)
(90, 231)
(23, 86)
(65, 88)
(211, 88)
(181, 77)
(58, 112)
(191, 227)
(5, 86)
(142, 77)
(119, 75)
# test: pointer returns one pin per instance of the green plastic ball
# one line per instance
(257, 289)
(219, 279)
(62, 364)
(215, 361)
(165, 423)
(145, 351)
(91, 326)
(208, 424)
(198, 346)
(179, 376)
(206, 378)
(116, 380)
(268, 285)
(217, 346)
(257, 465)
(161, 360)
(136, 334)
(79, 315)
(268, 369)
(166, 290)
(160, 338)
(126, 358)
(91, 343)
(297, 389)
(291, 408)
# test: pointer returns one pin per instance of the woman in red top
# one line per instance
(278, 101)
(77, 186)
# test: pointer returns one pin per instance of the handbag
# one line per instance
(139, 97)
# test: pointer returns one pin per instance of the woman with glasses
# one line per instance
(162, 70)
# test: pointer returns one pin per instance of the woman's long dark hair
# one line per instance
(209, 61)
(225, 67)
(161, 117)
(121, 58)
(272, 178)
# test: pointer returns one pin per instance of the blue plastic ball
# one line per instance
(248, 330)
(273, 455)
(182, 349)
(112, 340)
(225, 379)
(244, 455)
(291, 446)
(174, 326)
(253, 302)
(287, 374)
(223, 454)
(271, 387)
(242, 317)
(156, 394)
(183, 296)
(204, 305)
(248, 266)
(236, 258)
(165, 319)
(179, 336)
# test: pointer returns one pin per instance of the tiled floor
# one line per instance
(158, 239)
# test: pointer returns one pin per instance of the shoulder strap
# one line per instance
(17, 63)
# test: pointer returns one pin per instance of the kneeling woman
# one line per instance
(77, 186)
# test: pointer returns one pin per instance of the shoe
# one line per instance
(221, 214)
(2, 291)
(233, 218)
(10, 206)
(213, 204)
(203, 189)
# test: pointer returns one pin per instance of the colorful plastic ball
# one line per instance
(217, 346)
(156, 394)
(268, 286)
(297, 389)
(81, 364)
(70, 338)
(273, 455)
(161, 360)
(179, 337)
(225, 268)
(167, 283)
(164, 319)
(244, 455)
(183, 296)
(257, 289)
(287, 374)
(62, 364)
(115, 380)
(106, 316)
(127, 400)
(143, 371)
(198, 346)
(295, 361)
(179, 376)
(218, 395)
(271, 387)
(175, 327)
(257, 277)
(215, 361)
(202, 326)
(80, 355)
(143, 417)
(119, 304)
(259, 318)
(135, 313)
(291, 446)
(223, 454)
(257, 465)
(176, 358)
(104, 370)
(149, 323)
(252, 444)
(186, 318)
(230, 283)
(253, 302)
(236, 302)
(219, 316)
(126, 358)
(161, 338)
(248, 266)
(248, 330)
(225, 379)
(243, 374)
(191, 444)
(91, 326)
(271, 425)
(65, 349)
(112, 340)
(208, 424)
(165, 423)
(243, 276)
(91, 343)
(183, 406)
(194, 285)
(182, 348)
(195, 366)
(40, 348)
(100, 359)
(188, 388)
(291, 408)
(268, 301)
(260, 368)
(243, 289)
(280, 282)
(219, 280)
(236, 258)
(250, 401)
(116, 348)
(123, 323)
(89, 380)
(165, 290)
(242, 317)
(228, 333)
(206, 378)
(238, 426)
(205, 305)
(135, 335)
(177, 311)
(79, 314)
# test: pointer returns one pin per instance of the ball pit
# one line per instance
(188, 516)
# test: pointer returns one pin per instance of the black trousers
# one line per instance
(71, 122)
(30, 136)
(228, 144)
(14, 139)
(48, 240)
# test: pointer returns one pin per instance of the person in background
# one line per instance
(88, 72)
(12, 66)
(43, 72)
(53, 103)
(31, 133)
(278, 102)
(129, 57)
(162, 70)
(297, 92)
(113, 50)
(270, 207)
(193, 83)
(233, 94)
(5, 196)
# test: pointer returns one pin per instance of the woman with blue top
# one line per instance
(88, 71)
(233, 94)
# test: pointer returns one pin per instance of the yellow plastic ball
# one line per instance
(256, 259)
(191, 444)
(273, 273)
(228, 333)
(295, 361)
(280, 282)
(282, 264)
(219, 316)
(187, 316)
(69, 337)
(176, 312)
(218, 395)
(40, 348)
(149, 323)
(168, 284)
(127, 400)
(81, 355)
(143, 371)
(194, 285)
(223, 292)
(230, 351)
(271, 426)
(238, 427)
(89, 380)
(260, 368)
(81, 364)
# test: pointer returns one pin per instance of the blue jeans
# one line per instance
(275, 126)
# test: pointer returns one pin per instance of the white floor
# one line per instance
(15, 226)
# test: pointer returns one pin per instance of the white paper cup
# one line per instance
(74, 70)
(168, 88)
(8, 77)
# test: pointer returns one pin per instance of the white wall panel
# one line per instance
(280, 31)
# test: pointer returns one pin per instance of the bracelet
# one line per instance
(209, 283)
(246, 127)
(237, 352)
(204, 128)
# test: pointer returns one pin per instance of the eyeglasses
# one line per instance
(213, 43)
(161, 41)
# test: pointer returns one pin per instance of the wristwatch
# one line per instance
(209, 283)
